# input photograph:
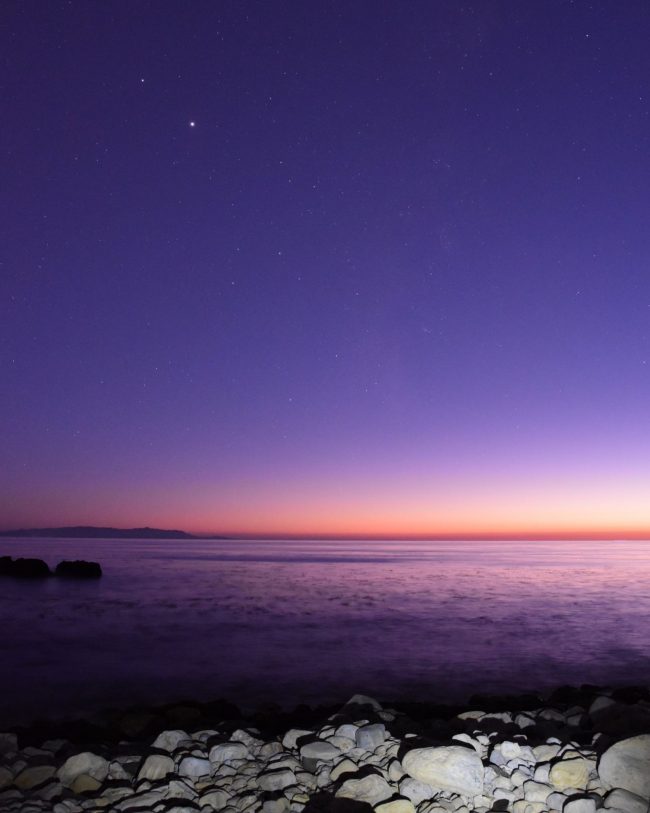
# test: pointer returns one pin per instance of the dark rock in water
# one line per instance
(24, 568)
(79, 570)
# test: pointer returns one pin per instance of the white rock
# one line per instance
(344, 744)
(277, 779)
(364, 700)
(627, 765)
(583, 804)
(625, 800)
(170, 740)
(415, 790)
(84, 763)
(228, 752)
(293, 735)
(570, 771)
(370, 736)
(194, 767)
(452, 768)
(342, 767)
(371, 788)
(319, 749)
(155, 767)
(347, 730)
(395, 805)
(536, 791)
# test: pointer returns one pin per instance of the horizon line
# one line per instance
(573, 535)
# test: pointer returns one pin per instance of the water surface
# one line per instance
(312, 621)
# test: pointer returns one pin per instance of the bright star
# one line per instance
(192, 124)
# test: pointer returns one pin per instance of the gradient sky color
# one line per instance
(326, 268)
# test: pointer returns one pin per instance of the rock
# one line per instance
(84, 763)
(24, 568)
(626, 765)
(624, 800)
(415, 790)
(228, 751)
(278, 779)
(194, 767)
(372, 789)
(536, 791)
(452, 768)
(395, 805)
(78, 569)
(170, 740)
(155, 767)
(84, 783)
(347, 730)
(569, 772)
(342, 767)
(8, 743)
(371, 736)
(32, 776)
(581, 804)
(215, 799)
(319, 749)
(364, 700)
(6, 777)
(279, 805)
(290, 739)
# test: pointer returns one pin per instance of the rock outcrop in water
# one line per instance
(24, 568)
(78, 569)
(38, 569)
(535, 757)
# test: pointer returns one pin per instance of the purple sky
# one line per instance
(343, 267)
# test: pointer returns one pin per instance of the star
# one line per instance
(192, 124)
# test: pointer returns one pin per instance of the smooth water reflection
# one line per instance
(293, 621)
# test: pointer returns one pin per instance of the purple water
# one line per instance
(290, 622)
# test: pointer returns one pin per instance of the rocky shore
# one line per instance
(576, 751)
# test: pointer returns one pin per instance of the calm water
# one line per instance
(289, 622)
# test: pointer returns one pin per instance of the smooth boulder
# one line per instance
(78, 569)
(626, 764)
(24, 568)
(453, 768)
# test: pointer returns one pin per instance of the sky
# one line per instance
(334, 268)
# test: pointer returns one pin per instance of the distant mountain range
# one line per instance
(92, 532)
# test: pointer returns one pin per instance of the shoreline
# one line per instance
(504, 752)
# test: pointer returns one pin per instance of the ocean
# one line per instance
(289, 622)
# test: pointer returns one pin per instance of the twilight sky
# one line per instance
(330, 267)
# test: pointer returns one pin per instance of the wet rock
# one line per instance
(452, 768)
(626, 765)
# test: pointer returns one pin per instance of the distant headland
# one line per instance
(93, 532)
